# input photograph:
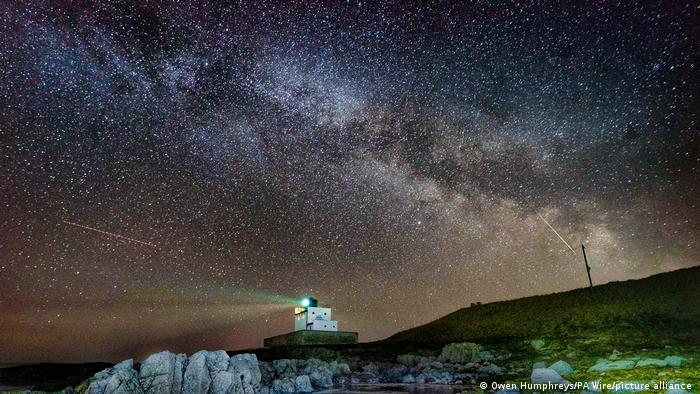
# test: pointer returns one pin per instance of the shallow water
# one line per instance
(397, 388)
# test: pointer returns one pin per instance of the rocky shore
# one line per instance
(215, 372)
(464, 365)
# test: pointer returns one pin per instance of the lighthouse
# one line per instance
(312, 317)
(313, 325)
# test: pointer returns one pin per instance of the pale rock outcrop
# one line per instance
(216, 361)
(675, 361)
(395, 373)
(562, 367)
(606, 365)
(320, 375)
(215, 372)
(114, 379)
(285, 367)
(161, 373)
(247, 368)
(179, 372)
(123, 382)
(321, 378)
(654, 362)
(222, 383)
(302, 384)
(545, 375)
(197, 378)
(226, 383)
(339, 369)
(283, 386)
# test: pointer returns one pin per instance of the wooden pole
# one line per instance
(588, 268)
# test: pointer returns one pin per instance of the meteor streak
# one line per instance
(555, 232)
(108, 233)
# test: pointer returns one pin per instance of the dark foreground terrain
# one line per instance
(660, 309)
(48, 377)
(638, 330)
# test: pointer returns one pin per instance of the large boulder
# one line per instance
(197, 378)
(247, 368)
(161, 373)
(302, 384)
(675, 361)
(283, 386)
(408, 379)
(363, 378)
(396, 372)
(462, 352)
(321, 378)
(319, 373)
(123, 382)
(562, 367)
(654, 362)
(285, 368)
(115, 380)
(179, 378)
(545, 375)
(216, 361)
(441, 377)
(339, 369)
(606, 365)
(225, 383)
(423, 379)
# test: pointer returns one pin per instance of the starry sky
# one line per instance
(396, 160)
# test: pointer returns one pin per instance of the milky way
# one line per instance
(391, 160)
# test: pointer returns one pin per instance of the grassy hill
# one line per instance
(653, 311)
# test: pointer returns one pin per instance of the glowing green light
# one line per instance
(305, 302)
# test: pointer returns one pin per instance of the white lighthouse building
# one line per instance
(312, 317)
(313, 325)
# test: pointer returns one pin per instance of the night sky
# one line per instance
(396, 161)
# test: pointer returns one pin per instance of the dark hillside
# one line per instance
(663, 308)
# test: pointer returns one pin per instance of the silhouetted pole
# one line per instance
(588, 269)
